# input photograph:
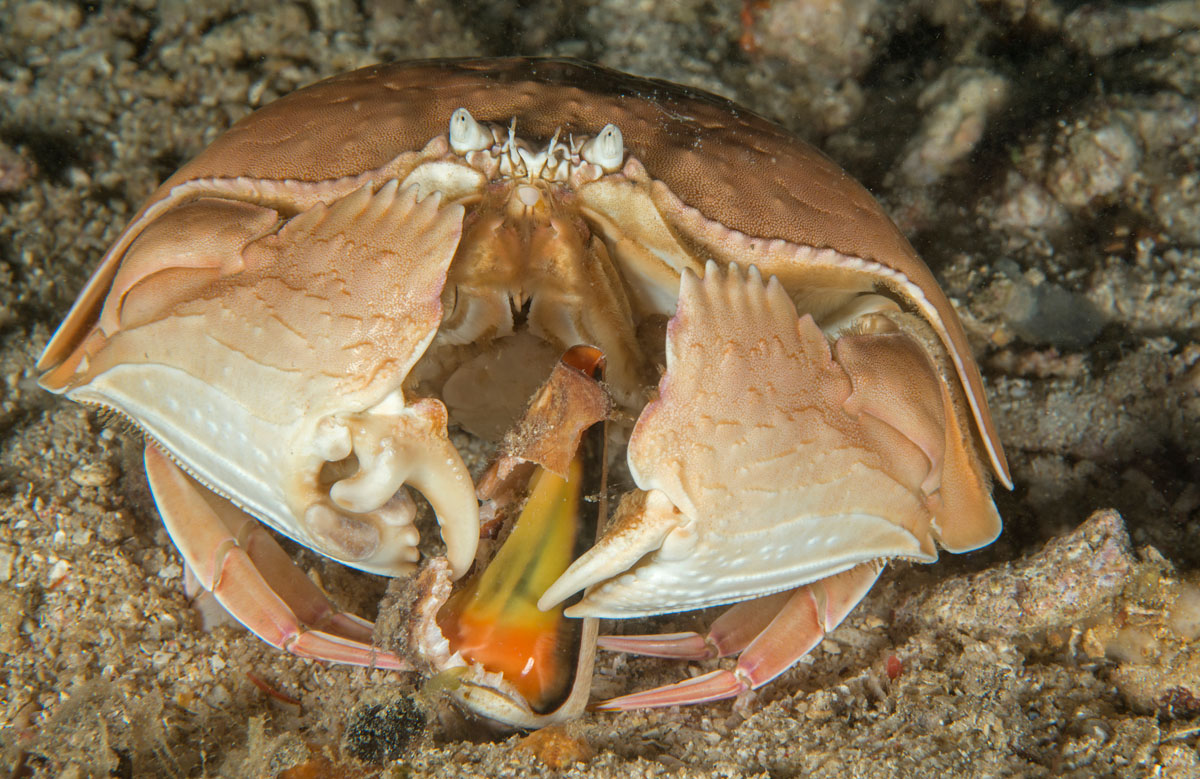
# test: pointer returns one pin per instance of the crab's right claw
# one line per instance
(365, 519)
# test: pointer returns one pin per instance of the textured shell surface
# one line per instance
(702, 147)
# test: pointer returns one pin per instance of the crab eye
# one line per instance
(607, 150)
(466, 134)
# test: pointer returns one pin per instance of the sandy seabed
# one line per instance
(1041, 155)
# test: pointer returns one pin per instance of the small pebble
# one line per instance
(380, 733)
(7, 556)
(99, 474)
(1184, 613)
(557, 748)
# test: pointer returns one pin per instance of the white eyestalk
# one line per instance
(606, 150)
(466, 134)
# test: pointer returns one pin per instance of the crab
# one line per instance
(298, 318)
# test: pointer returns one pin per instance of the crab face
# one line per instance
(297, 316)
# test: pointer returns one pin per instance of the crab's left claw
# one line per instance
(754, 479)
(769, 461)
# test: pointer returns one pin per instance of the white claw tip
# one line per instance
(606, 150)
(466, 134)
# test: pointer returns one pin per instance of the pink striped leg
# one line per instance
(774, 631)
(252, 577)
(729, 633)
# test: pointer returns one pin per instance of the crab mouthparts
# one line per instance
(495, 621)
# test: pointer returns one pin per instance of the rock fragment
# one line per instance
(1073, 578)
